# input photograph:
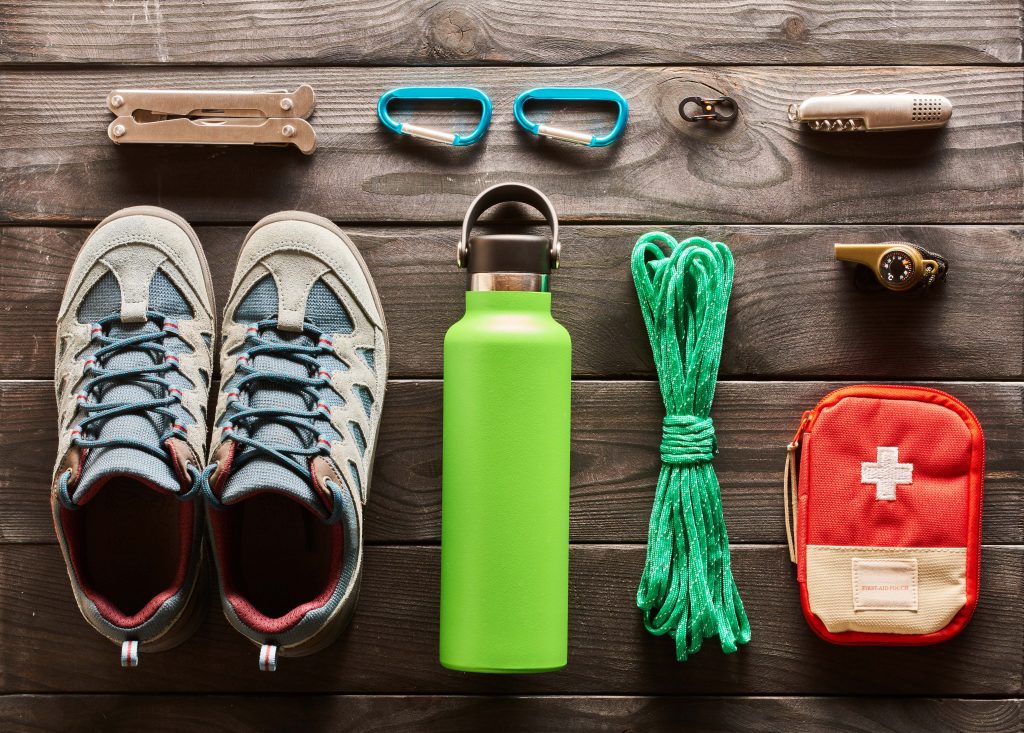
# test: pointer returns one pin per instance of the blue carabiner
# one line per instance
(583, 94)
(429, 133)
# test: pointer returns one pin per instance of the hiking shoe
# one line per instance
(304, 363)
(132, 382)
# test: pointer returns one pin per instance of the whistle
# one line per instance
(898, 266)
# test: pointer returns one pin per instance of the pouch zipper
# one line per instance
(809, 416)
(805, 422)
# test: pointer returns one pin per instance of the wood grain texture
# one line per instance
(615, 461)
(795, 311)
(392, 645)
(494, 32)
(798, 326)
(502, 714)
(57, 164)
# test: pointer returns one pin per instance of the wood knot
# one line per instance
(452, 33)
(794, 28)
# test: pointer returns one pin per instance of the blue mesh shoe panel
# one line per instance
(115, 461)
(104, 298)
(102, 301)
(357, 433)
(325, 311)
(368, 356)
(365, 397)
(260, 303)
(164, 297)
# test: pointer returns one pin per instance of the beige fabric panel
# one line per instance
(938, 578)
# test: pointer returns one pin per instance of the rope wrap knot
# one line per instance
(687, 440)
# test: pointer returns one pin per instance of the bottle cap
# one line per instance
(509, 253)
(509, 261)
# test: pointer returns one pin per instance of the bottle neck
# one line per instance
(509, 281)
(508, 301)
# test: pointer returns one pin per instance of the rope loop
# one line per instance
(687, 589)
(687, 440)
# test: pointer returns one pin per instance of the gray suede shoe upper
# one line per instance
(132, 378)
(303, 367)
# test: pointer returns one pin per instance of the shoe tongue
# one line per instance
(262, 474)
(104, 463)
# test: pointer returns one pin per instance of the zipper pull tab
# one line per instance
(790, 482)
(805, 420)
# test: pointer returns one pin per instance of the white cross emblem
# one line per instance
(886, 473)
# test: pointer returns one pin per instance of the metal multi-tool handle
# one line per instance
(164, 103)
(870, 111)
(194, 117)
(241, 131)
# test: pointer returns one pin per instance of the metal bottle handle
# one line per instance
(514, 193)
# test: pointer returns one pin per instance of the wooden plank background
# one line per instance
(798, 326)
(761, 169)
(235, 32)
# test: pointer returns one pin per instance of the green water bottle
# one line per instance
(505, 476)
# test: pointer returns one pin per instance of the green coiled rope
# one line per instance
(687, 589)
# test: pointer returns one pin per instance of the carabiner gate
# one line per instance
(572, 94)
(429, 133)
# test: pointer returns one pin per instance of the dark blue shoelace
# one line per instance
(98, 410)
(293, 458)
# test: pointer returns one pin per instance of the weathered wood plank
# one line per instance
(503, 714)
(795, 311)
(616, 432)
(56, 163)
(45, 646)
(493, 32)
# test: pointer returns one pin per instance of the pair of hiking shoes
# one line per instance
(282, 480)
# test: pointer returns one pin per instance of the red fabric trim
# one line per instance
(973, 508)
(186, 520)
(249, 614)
(169, 445)
(225, 470)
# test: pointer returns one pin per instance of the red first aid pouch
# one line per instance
(887, 513)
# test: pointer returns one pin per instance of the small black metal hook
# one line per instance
(718, 109)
